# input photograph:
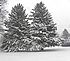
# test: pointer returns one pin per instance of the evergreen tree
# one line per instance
(17, 36)
(65, 34)
(43, 29)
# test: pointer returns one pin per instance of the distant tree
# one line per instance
(16, 38)
(65, 34)
(3, 11)
(65, 38)
(43, 29)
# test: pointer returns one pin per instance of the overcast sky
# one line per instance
(59, 9)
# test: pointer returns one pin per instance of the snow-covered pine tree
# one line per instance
(65, 34)
(43, 29)
(17, 37)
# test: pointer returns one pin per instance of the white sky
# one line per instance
(59, 9)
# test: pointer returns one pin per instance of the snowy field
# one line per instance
(51, 54)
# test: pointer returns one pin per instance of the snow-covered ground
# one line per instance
(51, 54)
